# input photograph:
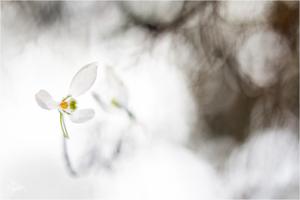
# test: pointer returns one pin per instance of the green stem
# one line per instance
(63, 126)
(115, 103)
(64, 99)
(129, 113)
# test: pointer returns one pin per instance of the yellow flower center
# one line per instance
(64, 105)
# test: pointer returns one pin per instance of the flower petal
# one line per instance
(44, 99)
(83, 79)
(83, 115)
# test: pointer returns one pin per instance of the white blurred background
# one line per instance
(213, 87)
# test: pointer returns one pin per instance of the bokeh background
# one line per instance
(213, 86)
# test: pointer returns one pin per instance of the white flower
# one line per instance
(112, 88)
(113, 91)
(81, 82)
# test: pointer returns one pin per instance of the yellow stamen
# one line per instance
(63, 105)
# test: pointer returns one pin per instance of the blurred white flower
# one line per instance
(81, 82)
(114, 93)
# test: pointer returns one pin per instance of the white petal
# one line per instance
(83, 115)
(44, 99)
(83, 79)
